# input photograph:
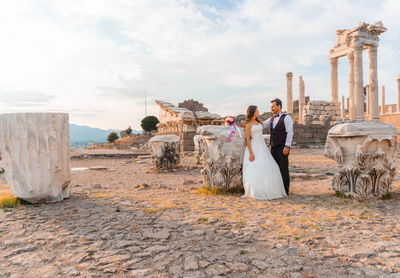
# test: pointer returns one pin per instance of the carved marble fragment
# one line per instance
(165, 151)
(35, 151)
(222, 160)
(365, 156)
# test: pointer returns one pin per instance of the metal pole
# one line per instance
(145, 102)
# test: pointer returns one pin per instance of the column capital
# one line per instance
(350, 56)
(289, 74)
(333, 61)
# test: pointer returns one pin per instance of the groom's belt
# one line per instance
(273, 145)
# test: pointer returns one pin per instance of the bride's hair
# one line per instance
(250, 113)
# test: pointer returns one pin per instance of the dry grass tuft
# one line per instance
(153, 210)
(216, 191)
(202, 220)
(9, 202)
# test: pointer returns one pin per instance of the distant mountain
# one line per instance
(86, 134)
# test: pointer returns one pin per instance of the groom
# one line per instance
(281, 129)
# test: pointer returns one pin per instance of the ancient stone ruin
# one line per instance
(192, 105)
(351, 43)
(35, 151)
(221, 159)
(363, 150)
(165, 152)
(320, 112)
(312, 119)
(198, 147)
(390, 113)
(184, 120)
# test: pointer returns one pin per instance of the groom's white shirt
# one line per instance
(288, 126)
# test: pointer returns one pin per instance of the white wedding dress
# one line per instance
(261, 178)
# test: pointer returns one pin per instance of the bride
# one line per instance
(261, 175)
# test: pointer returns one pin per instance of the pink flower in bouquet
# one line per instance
(229, 121)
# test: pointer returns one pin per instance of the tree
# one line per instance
(128, 130)
(149, 123)
(112, 137)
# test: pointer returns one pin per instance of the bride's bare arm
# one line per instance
(247, 130)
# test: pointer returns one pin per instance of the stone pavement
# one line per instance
(127, 221)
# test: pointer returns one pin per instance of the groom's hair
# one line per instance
(277, 101)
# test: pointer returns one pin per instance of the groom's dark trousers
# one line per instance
(283, 163)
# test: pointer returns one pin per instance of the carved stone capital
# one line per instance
(165, 152)
(365, 156)
(222, 160)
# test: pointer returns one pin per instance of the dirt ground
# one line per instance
(127, 221)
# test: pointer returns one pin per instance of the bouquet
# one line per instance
(230, 121)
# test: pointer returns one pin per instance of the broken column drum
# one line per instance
(365, 156)
(35, 151)
(165, 152)
(222, 160)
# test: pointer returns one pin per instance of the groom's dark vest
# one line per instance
(278, 134)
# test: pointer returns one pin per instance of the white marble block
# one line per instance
(365, 156)
(222, 161)
(35, 151)
(165, 150)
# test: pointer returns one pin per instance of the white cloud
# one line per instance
(95, 58)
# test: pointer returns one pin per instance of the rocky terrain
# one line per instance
(123, 220)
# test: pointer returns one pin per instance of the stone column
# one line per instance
(350, 106)
(383, 100)
(398, 93)
(301, 99)
(358, 84)
(289, 93)
(35, 152)
(367, 102)
(334, 81)
(373, 84)
(342, 114)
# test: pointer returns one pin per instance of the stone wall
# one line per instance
(389, 108)
(318, 112)
(296, 105)
(393, 119)
(308, 136)
(313, 135)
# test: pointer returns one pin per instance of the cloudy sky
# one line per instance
(94, 59)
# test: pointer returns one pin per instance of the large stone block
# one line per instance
(222, 160)
(365, 156)
(165, 151)
(35, 151)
